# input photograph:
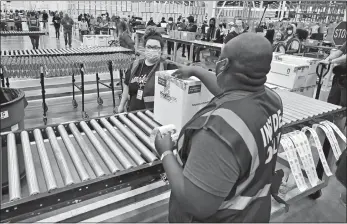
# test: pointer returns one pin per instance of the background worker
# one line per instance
(336, 96)
(56, 22)
(67, 23)
(139, 84)
(34, 25)
(169, 27)
(225, 163)
(18, 21)
(83, 27)
(44, 19)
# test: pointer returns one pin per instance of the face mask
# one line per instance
(290, 32)
(220, 67)
(170, 22)
(152, 55)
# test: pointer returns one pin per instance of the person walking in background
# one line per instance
(56, 22)
(92, 24)
(44, 19)
(83, 27)
(125, 41)
(124, 37)
(34, 25)
(17, 21)
(67, 23)
(169, 27)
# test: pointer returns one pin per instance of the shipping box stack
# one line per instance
(294, 73)
(177, 100)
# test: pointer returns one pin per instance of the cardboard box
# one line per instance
(176, 101)
(184, 35)
(287, 74)
(89, 40)
(102, 40)
(311, 62)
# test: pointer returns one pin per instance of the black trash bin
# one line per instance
(12, 105)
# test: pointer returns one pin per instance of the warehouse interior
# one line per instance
(73, 150)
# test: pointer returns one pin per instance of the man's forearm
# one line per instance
(339, 60)
(334, 55)
(209, 79)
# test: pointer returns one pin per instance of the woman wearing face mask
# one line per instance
(139, 84)
(278, 44)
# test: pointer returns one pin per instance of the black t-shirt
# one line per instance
(140, 76)
(230, 36)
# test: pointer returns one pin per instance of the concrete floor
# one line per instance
(328, 208)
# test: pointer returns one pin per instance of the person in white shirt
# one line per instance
(83, 27)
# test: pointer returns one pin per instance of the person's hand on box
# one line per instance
(163, 143)
(185, 72)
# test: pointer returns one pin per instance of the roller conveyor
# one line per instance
(86, 159)
(64, 52)
(65, 62)
(62, 158)
(21, 33)
(299, 109)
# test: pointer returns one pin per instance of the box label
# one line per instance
(166, 96)
(194, 89)
(4, 114)
(162, 81)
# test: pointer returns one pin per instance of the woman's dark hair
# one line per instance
(214, 20)
(191, 19)
(170, 19)
(302, 34)
(123, 25)
(224, 25)
(152, 34)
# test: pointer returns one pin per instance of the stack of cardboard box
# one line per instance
(294, 73)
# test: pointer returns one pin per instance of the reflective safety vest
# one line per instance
(33, 24)
(251, 127)
(148, 91)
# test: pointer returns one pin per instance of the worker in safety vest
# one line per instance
(224, 170)
(337, 96)
(34, 25)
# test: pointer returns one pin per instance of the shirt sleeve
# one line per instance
(343, 48)
(127, 76)
(211, 165)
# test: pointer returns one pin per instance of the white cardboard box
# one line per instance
(297, 60)
(176, 101)
(89, 40)
(287, 74)
(102, 40)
